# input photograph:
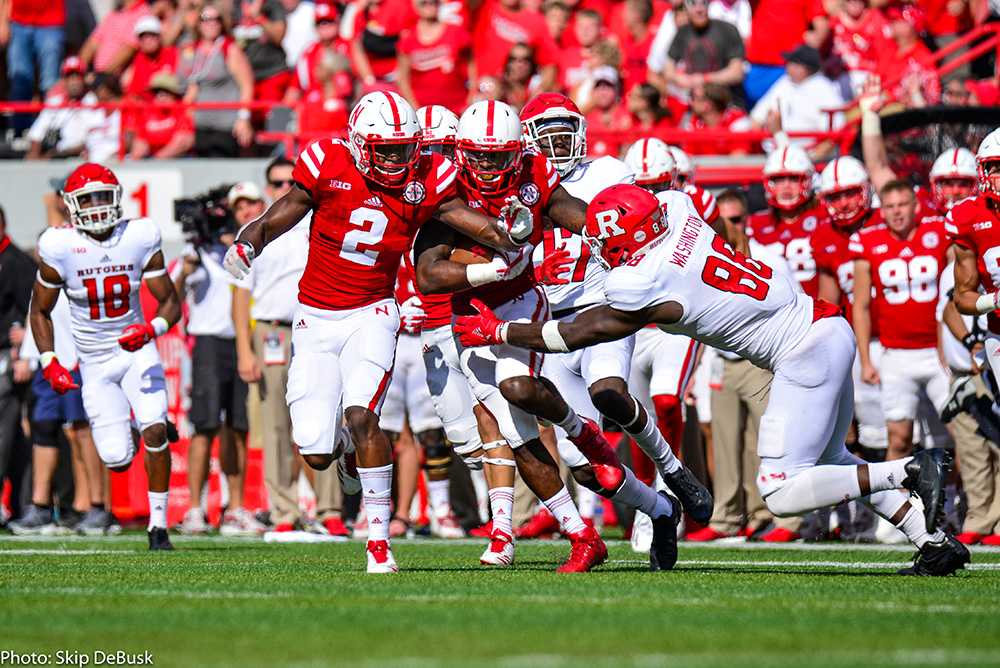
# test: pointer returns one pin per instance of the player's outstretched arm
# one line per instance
(967, 297)
(43, 299)
(567, 211)
(487, 231)
(280, 217)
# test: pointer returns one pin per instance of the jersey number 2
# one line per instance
(115, 290)
(740, 275)
(358, 245)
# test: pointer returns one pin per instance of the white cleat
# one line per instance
(446, 526)
(194, 522)
(380, 559)
(500, 551)
(240, 522)
(642, 532)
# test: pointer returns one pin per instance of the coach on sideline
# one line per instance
(263, 356)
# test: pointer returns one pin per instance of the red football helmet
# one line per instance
(93, 196)
(488, 146)
(554, 126)
(622, 220)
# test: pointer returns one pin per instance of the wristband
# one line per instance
(502, 331)
(480, 274)
(46, 359)
(553, 339)
(971, 340)
(243, 114)
(871, 124)
(986, 303)
(159, 325)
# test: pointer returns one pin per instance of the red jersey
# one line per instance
(789, 237)
(830, 251)
(437, 308)
(898, 67)
(859, 43)
(905, 276)
(439, 70)
(359, 229)
(38, 13)
(975, 226)
(704, 202)
(777, 26)
(534, 186)
(305, 69)
(158, 126)
(497, 31)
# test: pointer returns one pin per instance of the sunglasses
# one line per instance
(280, 183)
(735, 220)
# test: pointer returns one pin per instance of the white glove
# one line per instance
(411, 315)
(238, 259)
(516, 220)
(502, 267)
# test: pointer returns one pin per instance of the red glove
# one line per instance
(136, 336)
(550, 271)
(485, 329)
(59, 378)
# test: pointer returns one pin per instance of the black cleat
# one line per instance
(694, 496)
(937, 559)
(925, 476)
(663, 549)
(172, 435)
(159, 539)
(963, 394)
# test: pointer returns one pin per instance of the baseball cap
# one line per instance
(325, 12)
(244, 190)
(803, 55)
(166, 81)
(73, 65)
(148, 24)
(607, 74)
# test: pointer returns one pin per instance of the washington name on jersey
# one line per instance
(102, 280)
(730, 301)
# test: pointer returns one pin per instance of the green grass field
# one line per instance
(246, 603)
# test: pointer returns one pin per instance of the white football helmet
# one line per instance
(93, 197)
(988, 165)
(440, 125)
(652, 163)
(685, 168)
(384, 137)
(953, 176)
(846, 190)
(488, 146)
(788, 161)
(553, 125)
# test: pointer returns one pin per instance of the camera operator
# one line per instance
(265, 353)
(218, 395)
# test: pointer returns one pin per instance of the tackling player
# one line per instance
(668, 267)
(100, 262)
(368, 196)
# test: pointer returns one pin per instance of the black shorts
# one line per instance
(218, 395)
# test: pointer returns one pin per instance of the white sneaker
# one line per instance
(446, 526)
(194, 522)
(500, 551)
(240, 522)
(642, 532)
(380, 559)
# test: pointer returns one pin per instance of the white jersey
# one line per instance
(102, 280)
(730, 302)
(586, 276)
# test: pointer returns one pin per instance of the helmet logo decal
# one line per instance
(607, 223)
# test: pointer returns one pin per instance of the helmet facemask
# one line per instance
(388, 161)
(490, 169)
(560, 139)
(989, 177)
(96, 207)
(847, 205)
(948, 190)
(787, 191)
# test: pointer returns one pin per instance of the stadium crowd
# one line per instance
(644, 66)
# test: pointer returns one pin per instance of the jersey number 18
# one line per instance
(115, 293)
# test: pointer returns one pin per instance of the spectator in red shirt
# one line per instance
(779, 26)
(434, 61)
(907, 71)
(324, 108)
(32, 31)
(333, 52)
(521, 81)
(501, 25)
(376, 26)
(712, 109)
(163, 132)
(947, 20)
(607, 117)
(860, 35)
(577, 62)
(648, 116)
(151, 58)
(635, 39)
(556, 15)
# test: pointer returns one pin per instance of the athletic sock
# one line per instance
(651, 441)
(437, 493)
(157, 510)
(888, 503)
(636, 494)
(884, 476)
(571, 424)
(376, 489)
(564, 510)
(502, 509)
(586, 502)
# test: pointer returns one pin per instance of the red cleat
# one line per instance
(482, 531)
(780, 535)
(969, 537)
(607, 469)
(993, 540)
(706, 535)
(335, 527)
(587, 551)
(541, 525)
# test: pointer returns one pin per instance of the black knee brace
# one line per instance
(437, 451)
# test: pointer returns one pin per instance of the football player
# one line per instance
(100, 262)
(669, 268)
(368, 195)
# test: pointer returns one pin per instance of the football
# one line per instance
(468, 251)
